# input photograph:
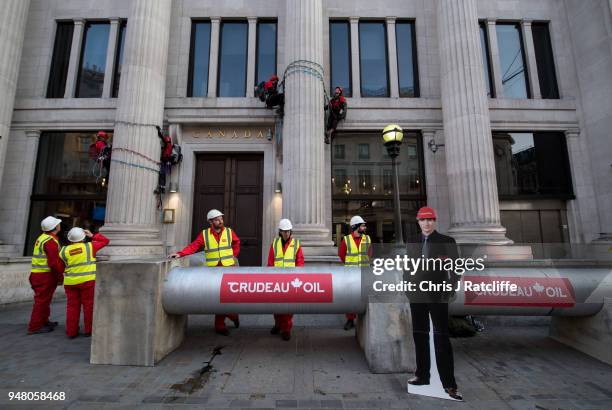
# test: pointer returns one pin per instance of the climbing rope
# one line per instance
(307, 67)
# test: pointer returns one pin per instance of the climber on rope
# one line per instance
(267, 91)
(337, 111)
(100, 151)
(170, 155)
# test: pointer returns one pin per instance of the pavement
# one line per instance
(511, 365)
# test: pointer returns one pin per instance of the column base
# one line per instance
(316, 243)
(604, 238)
(384, 332)
(132, 242)
(482, 234)
(591, 335)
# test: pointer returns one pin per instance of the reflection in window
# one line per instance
(484, 46)
(532, 164)
(364, 151)
(512, 61)
(64, 185)
(373, 59)
(544, 60)
(339, 151)
(119, 59)
(365, 186)
(61, 57)
(340, 56)
(198, 59)
(266, 50)
(233, 59)
(93, 60)
(407, 68)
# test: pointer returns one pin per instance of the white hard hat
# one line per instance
(76, 234)
(213, 213)
(49, 223)
(357, 220)
(285, 225)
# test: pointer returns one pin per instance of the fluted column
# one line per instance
(469, 147)
(304, 178)
(132, 219)
(12, 30)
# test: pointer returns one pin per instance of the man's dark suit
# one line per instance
(424, 304)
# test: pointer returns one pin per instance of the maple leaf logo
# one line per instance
(538, 288)
(296, 283)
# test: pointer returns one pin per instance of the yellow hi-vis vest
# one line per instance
(357, 256)
(80, 263)
(218, 251)
(39, 257)
(285, 259)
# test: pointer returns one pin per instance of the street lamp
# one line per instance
(392, 135)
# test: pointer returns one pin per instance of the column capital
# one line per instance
(572, 133)
(491, 20)
(115, 20)
(526, 22)
(79, 21)
(354, 20)
(215, 20)
(390, 19)
(252, 19)
(32, 133)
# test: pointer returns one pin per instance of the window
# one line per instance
(266, 50)
(364, 186)
(61, 58)
(119, 58)
(93, 60)
(407, 68)
(340, 56)
(484, 46)
(199, 57)
(373, 59)
(364, 151)
(338, 151)
(544, 60)
(64, 185)
(512, 61)
(233, 59)
(532, 165)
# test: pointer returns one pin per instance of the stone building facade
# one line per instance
(534, 75)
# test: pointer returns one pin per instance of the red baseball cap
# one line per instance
(102, 134)
(426, 213)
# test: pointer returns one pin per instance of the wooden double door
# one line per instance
(233, 184)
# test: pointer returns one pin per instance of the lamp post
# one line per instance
(392, 135)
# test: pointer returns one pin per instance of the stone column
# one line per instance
(75, 57)
(356, 76)
(495, 65)
(213, 62)
(111, 53)
(392, 47)
(304, 179)
(12, 30)
(251, 57)
(469, 147)
(132, 219)
(531, 64)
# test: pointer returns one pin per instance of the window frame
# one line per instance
(53, 62)
(483, 24)
(220, 55)
(191, 66)
(415, 58)
(517, 25)
(265, 20)
(555, 80)
(119, 52)
(386, 43)
(350, 57)
(87, 25)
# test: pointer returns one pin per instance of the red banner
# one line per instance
(498, 291)
(276, 288)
